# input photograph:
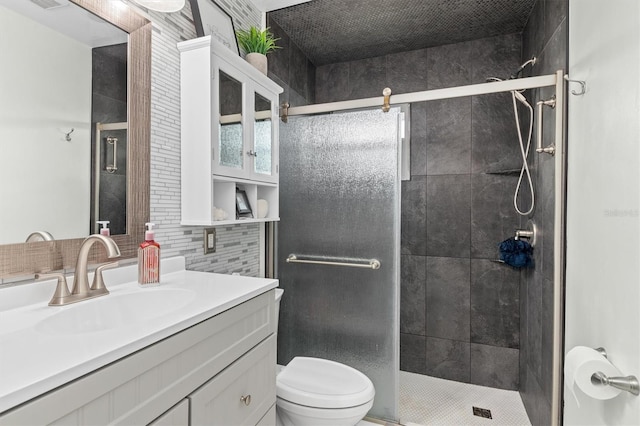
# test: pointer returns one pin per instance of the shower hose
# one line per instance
(524, 151)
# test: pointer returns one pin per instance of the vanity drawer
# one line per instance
(269, 419)
(242, 394)
(176, 416)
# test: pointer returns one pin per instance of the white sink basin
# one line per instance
(115, 311)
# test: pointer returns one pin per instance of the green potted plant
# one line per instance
(256, 44)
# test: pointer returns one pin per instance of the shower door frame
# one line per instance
(556, 80)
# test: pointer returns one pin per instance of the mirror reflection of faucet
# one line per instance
(39, 236)
(81, 289)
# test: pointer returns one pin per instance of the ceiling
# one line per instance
(330, 31)
(70, 20)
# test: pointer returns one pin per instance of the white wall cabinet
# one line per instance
(229, 133)
(197, 376)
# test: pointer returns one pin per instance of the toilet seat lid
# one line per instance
(322, 383)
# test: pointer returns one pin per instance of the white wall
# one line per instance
(603, 255)
(34, 115)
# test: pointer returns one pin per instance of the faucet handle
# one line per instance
(62, 289)
(98, 281)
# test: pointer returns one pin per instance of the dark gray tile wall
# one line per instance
(447, 359)
(291, 69)
(495, 310)
(448, 286)
(448, 215)
(459, 311)
(546, 38)
(449, 135)
(412, 295)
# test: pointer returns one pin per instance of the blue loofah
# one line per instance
(516, 253)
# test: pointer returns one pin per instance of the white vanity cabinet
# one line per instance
(229, 133)
(201, 375)
(251, 377)
(175, 416)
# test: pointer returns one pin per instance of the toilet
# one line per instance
(319, 392)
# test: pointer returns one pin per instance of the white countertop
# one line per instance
(36, 357)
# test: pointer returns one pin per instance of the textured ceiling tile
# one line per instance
(331, 31)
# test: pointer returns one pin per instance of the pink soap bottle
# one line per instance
(149, 259)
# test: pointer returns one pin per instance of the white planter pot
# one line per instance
(259, 61)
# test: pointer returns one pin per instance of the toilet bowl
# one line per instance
(320, 392)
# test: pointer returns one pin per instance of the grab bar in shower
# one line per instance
(335, 261)
(551, 149)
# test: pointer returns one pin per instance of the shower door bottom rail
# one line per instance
(334, 261)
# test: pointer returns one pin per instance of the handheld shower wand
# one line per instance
(524, 148)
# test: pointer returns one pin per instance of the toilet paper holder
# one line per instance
(627, 383)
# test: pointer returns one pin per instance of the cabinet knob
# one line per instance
(246, 399)
(252, 153)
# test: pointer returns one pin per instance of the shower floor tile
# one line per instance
(431, 401)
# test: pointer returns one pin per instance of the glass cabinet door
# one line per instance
(263, 135)
(230, 137)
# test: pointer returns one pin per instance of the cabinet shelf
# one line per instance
(239, 221)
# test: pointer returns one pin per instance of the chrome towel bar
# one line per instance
(335, 261)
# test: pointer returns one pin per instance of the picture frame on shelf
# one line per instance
(243, 208)
(211, 19)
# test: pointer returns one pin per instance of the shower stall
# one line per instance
(342, 201)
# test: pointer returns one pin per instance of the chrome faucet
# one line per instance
(81, 289)
(81, 281)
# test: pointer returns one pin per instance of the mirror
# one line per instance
(51, 153)
(68, 72)
(231, 141)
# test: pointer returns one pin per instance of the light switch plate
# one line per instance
(209, 240)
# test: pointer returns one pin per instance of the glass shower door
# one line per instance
(340, 199)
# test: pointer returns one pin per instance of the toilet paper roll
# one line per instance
(580, 364)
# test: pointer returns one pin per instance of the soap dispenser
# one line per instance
(149, 259)
(105, 227)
